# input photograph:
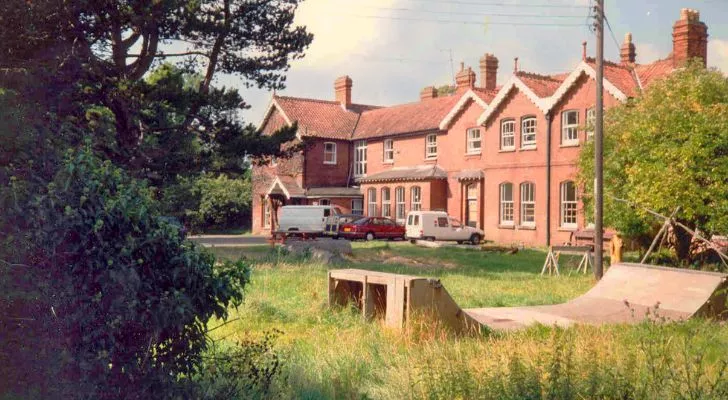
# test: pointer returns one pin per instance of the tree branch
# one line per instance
(164, 55)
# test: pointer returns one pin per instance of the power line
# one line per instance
(474, 13)
(465, 22)
(500, 4)
(616, 42)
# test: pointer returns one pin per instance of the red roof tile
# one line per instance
(650, 72)
(485, 94)
(619, 75)
(321, 118)
(405, 118)
(542, 85)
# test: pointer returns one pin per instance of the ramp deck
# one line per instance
(628, 293)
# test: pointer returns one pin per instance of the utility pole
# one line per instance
(598, 147)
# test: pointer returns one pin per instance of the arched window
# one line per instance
(508, 135)
(399, 200)
(471, 207)
(372, 202)
(386, 203)
(506, 203)
(415, 198)
(528, 204)
(528, 132)
(568, 204)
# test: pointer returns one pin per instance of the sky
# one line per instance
(392, 49)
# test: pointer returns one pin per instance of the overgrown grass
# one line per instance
(334, 354)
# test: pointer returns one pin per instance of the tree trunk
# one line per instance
(681, 241)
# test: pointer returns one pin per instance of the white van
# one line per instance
(307, 219)
(437, 225)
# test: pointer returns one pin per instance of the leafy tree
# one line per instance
(667, 148)
(445, 90)
(118, 300)
(89, 62)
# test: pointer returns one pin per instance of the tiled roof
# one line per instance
(286, 185)
(405, 118)
(541, 85)
(333, 192)
(650, 72)
(470, 175)
(321, 118)
(417, 173)
(485, 94)
(620, 76)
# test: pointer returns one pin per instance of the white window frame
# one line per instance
(386, 203)
(568, 208)
(324, 202)
(360, 158)
(508, 134)
(569, 131)
(388, 151)
(528, 204)
(431, 146)
(399, 209)
(330, 153)
(471, 198)
(415, 198)
(506, 205)
(473, 136)
(267, 214)
(357, 206)
(372, 202)
(591, 119)
(528, 132)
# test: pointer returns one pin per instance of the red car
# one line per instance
(371, 228)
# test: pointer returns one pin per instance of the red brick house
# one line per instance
(499, 157)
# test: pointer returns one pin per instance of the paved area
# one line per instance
(229, 240)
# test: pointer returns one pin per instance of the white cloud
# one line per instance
(647, 53)
(337, 36)
(718, 54)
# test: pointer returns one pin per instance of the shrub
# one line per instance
(120, 301)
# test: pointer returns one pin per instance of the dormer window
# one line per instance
(330, 153)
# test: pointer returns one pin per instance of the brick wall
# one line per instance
(326, 174)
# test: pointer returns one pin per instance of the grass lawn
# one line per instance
(334, 354)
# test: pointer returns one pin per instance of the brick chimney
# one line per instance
(465, 78)
(488, 71)
(627, 52)
(342, 88)
(428, 93)
(689, 38)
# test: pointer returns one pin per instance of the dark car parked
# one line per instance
(371, 228)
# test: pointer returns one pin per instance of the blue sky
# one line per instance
(391, 53)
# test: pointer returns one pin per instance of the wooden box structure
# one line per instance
(396, 299)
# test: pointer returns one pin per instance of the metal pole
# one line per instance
(598, 147)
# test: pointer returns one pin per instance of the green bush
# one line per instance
(115, 298)
(209, 202)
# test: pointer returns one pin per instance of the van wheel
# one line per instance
(460, 242)
(431, 238)
(370, 236)
(413, 241)
(475, 238)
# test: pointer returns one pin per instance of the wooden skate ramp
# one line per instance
(628, 293)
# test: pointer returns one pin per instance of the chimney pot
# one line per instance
(342, 90)
(627, 51)
(515, 64)
(488, 71)
(583, 51)
(465, 78)
(689, 38)
(428, 92)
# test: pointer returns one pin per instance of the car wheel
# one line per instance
(431, 238)
(475, 239)
(460, 242)
(370, 236)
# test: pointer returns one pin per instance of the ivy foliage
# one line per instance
(116, 288)
(667, 148)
